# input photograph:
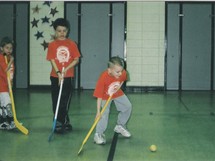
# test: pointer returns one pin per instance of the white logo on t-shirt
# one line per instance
(63, 54)
(113, 88)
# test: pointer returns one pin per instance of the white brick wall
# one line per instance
(145, 43)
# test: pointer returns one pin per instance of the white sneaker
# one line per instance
(11, 126)
(4, 125)
(120, 129)
(99, 138)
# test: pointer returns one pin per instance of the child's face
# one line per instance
(7, 49)
(61, 32)
(115, 71)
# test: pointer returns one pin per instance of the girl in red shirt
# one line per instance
(62, 53)
(6, 116)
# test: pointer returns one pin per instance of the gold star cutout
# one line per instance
(36, 9)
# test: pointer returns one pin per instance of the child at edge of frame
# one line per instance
(62, 53)
(6, 115)
(115, 73)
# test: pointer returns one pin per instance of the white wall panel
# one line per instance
(39, 67)
(145, 43)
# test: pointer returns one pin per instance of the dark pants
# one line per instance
(62, 117)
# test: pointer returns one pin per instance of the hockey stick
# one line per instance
(94, 124)
(111, 91)
(57, 108)
(18, 125)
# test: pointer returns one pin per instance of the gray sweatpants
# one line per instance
(123, 106)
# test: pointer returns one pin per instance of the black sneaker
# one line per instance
(68, 127)
(60, 129)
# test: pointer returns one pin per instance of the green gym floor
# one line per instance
(181, 125)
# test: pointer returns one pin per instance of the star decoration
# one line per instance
(42, 17)
(48, 3)
(34, 23)
(39, 34)
(45, 44)
(45, 20)
(52, 23)
(36, 9)
(53, 11)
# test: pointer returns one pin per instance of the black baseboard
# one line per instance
(140, 89)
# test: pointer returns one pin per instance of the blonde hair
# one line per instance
(116, 61)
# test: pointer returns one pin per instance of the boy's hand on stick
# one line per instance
(60, 77)
(98, 114)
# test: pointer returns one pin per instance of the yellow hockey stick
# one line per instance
(94, 124)
(115, 87)
(18, 125)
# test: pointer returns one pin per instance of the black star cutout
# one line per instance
(53, 11)
(34, 23)
(45, 20)
(48, 3)
(39, 34)
(36, 9)
(45, 44)
(52, 23)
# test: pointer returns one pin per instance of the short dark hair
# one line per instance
(61, 22)
(6, 40)
(116, 61)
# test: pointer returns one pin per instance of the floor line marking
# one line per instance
(182, 102)
(112, 147)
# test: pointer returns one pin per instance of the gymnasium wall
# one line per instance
(145, 43)
(144, 48)
(42, 14)
(186, 64)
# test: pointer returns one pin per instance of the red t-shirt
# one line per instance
(3, 74)
(105, 81)
(63, 52)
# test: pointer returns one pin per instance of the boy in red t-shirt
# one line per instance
(62, 52)
(112, 78)
(6, 116)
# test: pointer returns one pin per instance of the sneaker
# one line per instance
(99, 138)
(11, 126)
(68, 127)
(60, 129)
(120, 129)
(4, 125)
